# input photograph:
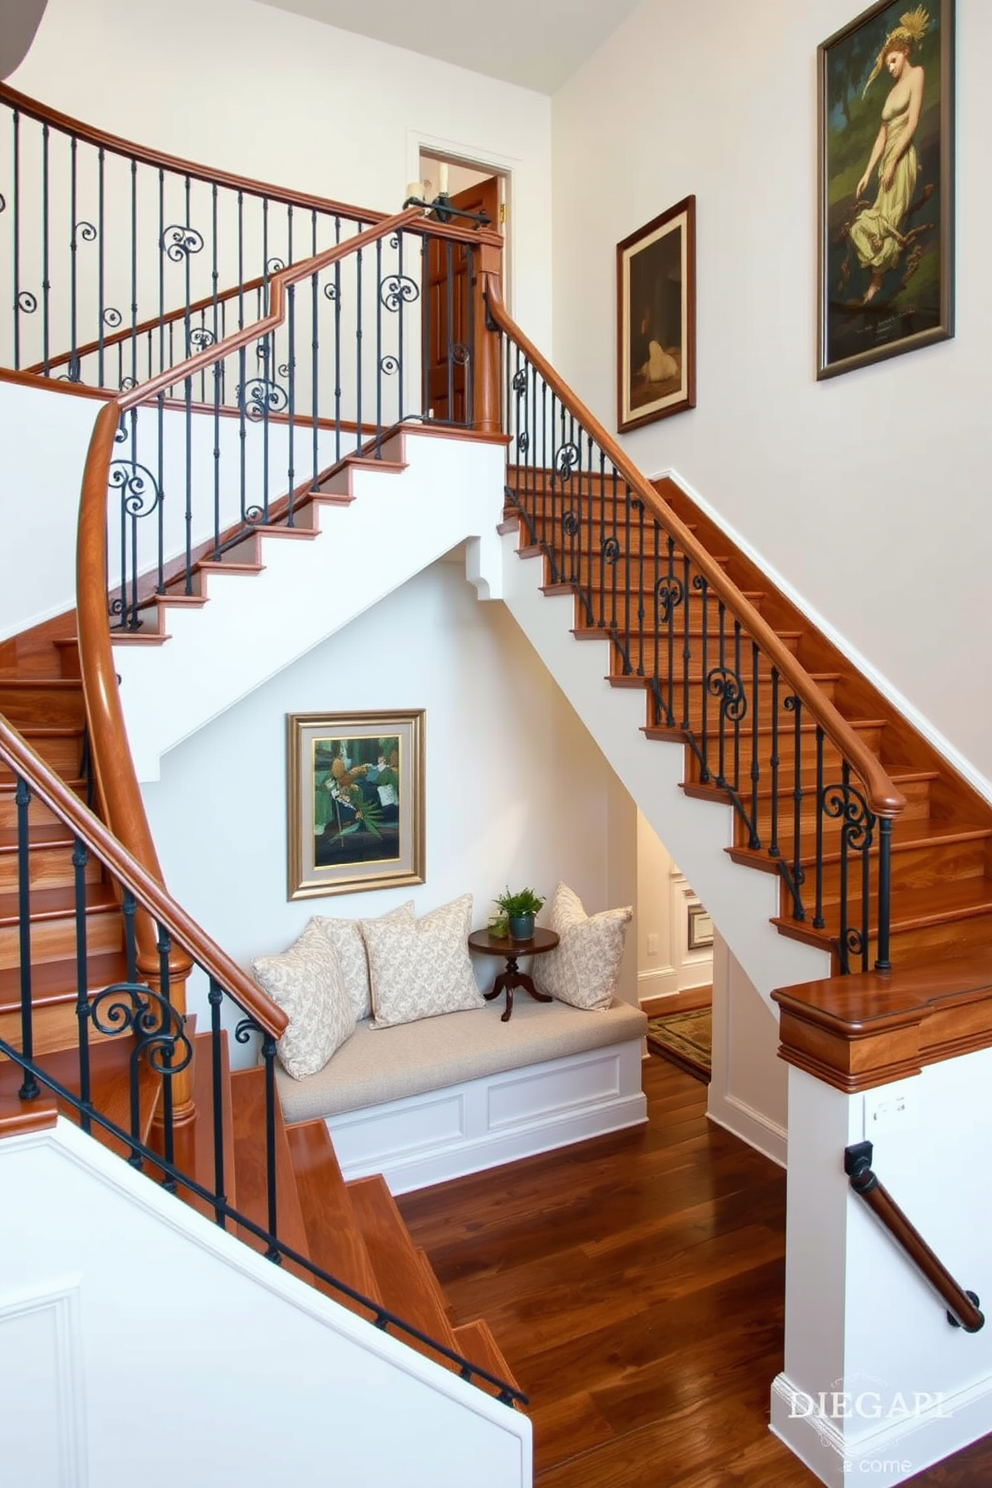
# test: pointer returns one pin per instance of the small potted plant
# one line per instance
(519, 910)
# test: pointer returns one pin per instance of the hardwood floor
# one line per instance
(635, 1285)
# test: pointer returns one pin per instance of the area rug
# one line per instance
(686, 1039)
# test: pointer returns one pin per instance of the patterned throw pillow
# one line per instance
(584, 967)
(306, 983)
(346, 939)
(421, 968)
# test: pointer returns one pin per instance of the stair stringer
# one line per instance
(741, 902)
(119, 1282)
(253, 626)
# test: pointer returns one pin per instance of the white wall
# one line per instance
(122, 1310)
(665, 964)
(749, 1088)
(282, 99)
(517, 793)
(704, 99)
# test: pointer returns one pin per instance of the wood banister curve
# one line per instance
(149, 893)
(882, 796)
(117, 146)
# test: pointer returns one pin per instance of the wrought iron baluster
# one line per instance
(314, 374)
(773, 847)
(469, 253)
(18, 306)
(291, 404)
(215, 997)
(721, 774)
(101, 262)
(754, 841)
(80, 858)
(268, 1056)
(449, 295)
(161, 272)
(818, 920)
(358, 350)
(795, 704)
(129, 908)
(882, 962)
(378, 349)
(700, 584)
(739, 715)
(164, 1047)
(134, 272)
(46, 283)
(74, 228)
(22, 797)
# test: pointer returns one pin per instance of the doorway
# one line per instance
(448, 328)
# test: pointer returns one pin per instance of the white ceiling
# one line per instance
(536, 43)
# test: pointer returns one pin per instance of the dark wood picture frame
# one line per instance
(886, 202)
(355, 801)
(656, 318)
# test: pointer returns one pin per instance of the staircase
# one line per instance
(281, 1180)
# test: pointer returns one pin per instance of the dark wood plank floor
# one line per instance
(635, 1286)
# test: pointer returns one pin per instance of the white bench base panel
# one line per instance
(442, 1134)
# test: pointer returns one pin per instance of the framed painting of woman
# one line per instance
(886, 189)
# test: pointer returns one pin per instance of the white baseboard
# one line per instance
(899, 1445)
(752, 1126)
(479, 1124)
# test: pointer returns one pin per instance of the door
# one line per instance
(447, 354)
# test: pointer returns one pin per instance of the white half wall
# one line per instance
(749, 1088)
(877, 1385)
(136, 1315)
(840, 484)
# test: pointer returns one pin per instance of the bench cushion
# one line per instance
(386, 1064)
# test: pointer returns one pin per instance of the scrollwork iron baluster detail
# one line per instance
(670, 593)
(260, 397)
(159, 1031)
(461, 355)
(112, 317)
(519, 383)
(724, 683)
(388, 365)
(843, 802)
(274, 266)
(179, 242)
(86, 232)
(138, 487)
(27, 303)
(566, 459)
(331, 292)
(571, 523)
(200, 337)
(398, 290)
(610, 550)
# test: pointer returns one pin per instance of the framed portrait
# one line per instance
(700, 928)
(356, 801)
(886, 186)
(656, 318)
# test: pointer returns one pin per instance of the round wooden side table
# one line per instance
(506, 981)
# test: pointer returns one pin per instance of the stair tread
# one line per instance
(55, 981)
(110, 1086)
(47, 904)
(333, 1238)
(906, 835)
(402, 1285)
(40, 834)
(476, 1343)
(703, 790)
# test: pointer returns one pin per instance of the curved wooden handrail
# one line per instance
(962, 1307)
(882, 796)
(152, 897)
(117, 146)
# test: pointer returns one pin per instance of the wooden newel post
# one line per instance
(486, 411)
(148, 963)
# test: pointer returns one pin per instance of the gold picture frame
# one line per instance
(886, 184)
(355, 801)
